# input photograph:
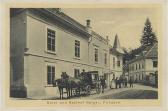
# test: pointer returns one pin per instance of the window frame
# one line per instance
(118, 63)
(105, 58)
(78, 49)
(96, 52)
(46, 41)
(52, 77)
(78, 70)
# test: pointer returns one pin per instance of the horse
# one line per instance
(68, 83)
(61, 86)
(74, 84)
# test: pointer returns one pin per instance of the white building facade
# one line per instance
(46, 42)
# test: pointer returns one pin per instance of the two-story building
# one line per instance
(144, 66)
(46, 42)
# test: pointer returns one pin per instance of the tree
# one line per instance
(148, 37)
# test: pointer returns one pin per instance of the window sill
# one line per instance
(96, 62)
(50, 52)
(77, 58)
(48, 85)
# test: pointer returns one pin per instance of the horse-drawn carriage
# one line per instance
(84, 84)
(90, 81)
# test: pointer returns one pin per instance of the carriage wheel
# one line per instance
(88, 89)
(98, 88)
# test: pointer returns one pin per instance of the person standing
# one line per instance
(116, 82)
(112, 85)
(126, 82)
(102, 82)
(120, 81)
(131, 82)
(82, 74)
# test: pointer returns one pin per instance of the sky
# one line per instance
(127, 23)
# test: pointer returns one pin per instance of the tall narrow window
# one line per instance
(50, 74)
(50, 40)
(76, 73)
(118, 63)
(96, 55)
(113, 62)
(155, 63)
(105, 58)
(77, 48)
(143, 65)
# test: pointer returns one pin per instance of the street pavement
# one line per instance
(137, 92)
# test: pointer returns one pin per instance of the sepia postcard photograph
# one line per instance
(107, 55)
(54, 56)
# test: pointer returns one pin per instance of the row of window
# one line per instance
(51, 44)
(136, 67)
(141, 66)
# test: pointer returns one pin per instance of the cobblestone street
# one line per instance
(137, 92)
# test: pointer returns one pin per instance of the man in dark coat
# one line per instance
(131, 82)
(120, 81)
(102, 82)
(82, 74)
(126, 82)
(116, 82)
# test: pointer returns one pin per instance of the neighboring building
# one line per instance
(46, 42)
(144, 66)
(99, 54)
(116, 60)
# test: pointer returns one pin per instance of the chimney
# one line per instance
(88, 23)
(88, 27)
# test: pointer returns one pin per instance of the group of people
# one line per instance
(118, 82)
(121, 82)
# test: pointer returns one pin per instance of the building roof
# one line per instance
(117, 49)
(56, 15)
(144, 52)
(63, 18)
(100, 37)
(116, 42)
(73, 22)
(153, 52)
